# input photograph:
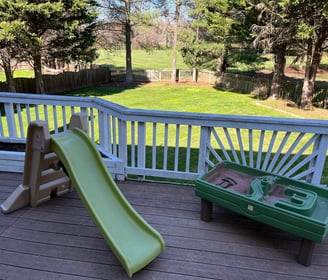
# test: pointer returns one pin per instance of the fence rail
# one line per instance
(175, 144)
(63, 82)
(67, 81)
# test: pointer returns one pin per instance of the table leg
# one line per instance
(206, 210)
(305, 252)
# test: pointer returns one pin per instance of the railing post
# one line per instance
(103, 124)
(320, 146)
(141, 161)
(10, 116)
(122, 141)
(203, 154)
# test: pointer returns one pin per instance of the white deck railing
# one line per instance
(174, 144)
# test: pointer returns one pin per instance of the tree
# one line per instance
(175, 39)
(274, 32)
(48, 29)
(290, 23)
(41, 20)
(7, 40)
(127, 14)
(74, 40)
(219, 32)
(196, 50)
(312, 29)
(12, 39)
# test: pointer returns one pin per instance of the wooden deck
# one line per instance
(58, 240)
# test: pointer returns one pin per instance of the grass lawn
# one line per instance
(18, 74)
(197, 99)
(160, 59)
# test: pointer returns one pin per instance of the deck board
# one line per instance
(58, 240)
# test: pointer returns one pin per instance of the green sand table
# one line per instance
(293, 206)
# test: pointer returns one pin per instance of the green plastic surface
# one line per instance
(302, 210)
(134, 242)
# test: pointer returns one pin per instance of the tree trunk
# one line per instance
(175, 41)
(194, 74)
(313, 58)
(39, 85)
(194, 69)
(278, 72)
(128, 53)
(6, 64)
(221, 65)
(128, 48)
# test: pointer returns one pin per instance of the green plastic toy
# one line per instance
(134, 242)
(291, 205)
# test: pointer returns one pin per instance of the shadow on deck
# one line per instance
(58, 240)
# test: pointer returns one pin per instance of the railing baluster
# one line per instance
(2, 133)
(232, 148)
(301, 164)
(91, 124)
(28, 113)
(288, 153)
(269, 151)
(55, 118)
(20, 120)
(141, 145)
(188, 152)
(250, 147)
(63, 109)
(241, 146)
(45, 112)
(278, 152)
(109, 133)
(166, 136)
(10, 115)
(297, 155)
(114, 136)
(223, 149)
(133, 144)
(176, 152)
(36, 110)
(260, 150)
(154, 156)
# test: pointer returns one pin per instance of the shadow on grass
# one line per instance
(104, 90)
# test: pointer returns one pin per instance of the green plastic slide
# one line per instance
(134, 242)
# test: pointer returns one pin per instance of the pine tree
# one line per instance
(51, 29)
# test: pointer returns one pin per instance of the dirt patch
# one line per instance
(293, 73)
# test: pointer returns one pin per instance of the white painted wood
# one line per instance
(284, 146)
(10, 116)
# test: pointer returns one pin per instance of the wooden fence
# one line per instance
(65, 81)
(239, 83)
(292, 88)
